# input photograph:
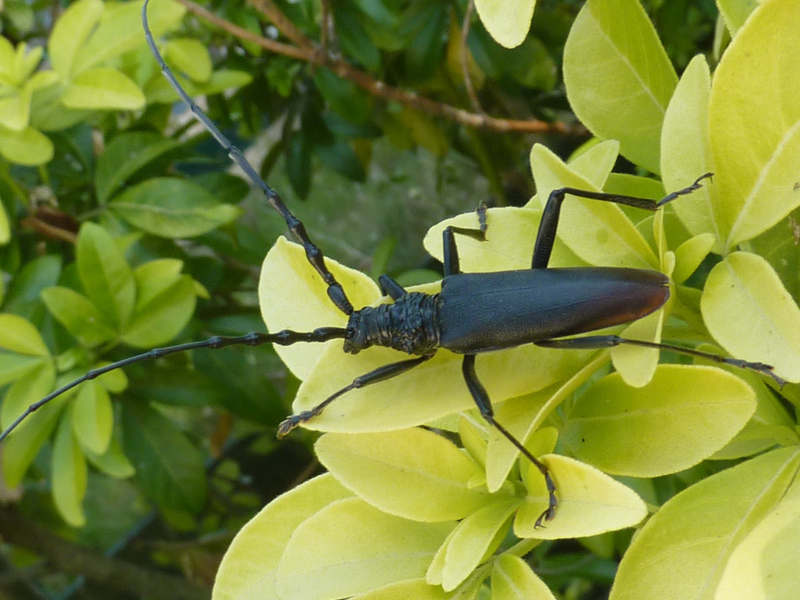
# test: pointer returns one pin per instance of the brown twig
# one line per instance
(282, 22)
(312, 55)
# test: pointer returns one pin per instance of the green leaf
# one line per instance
(92, 417)
(103, 88)
(126, 155)
(757, 165)
(350, 547)
(618, 77)
(686, 150)
(590, 502)
(112, 462)
(597, 232)
(354, 38)
(120, 30)
(473, 540)
(70, 33)
(20, 336)
(749, 312)
(247, 571)
(70, 476)
(684, 415)
(5, 236)
(78, 315)
(513, 579)
(736, 12)
(172, 208)
(105, 274)
(418, 589)
(763, 565)
(685, 547)
(25, 392)
(507, 20)
(160, 314)
(341, 157)
(411, 473)
(690, 254)
(169, 469)
(344, 96)
(190, 57)
(15, 366)
(29, 147)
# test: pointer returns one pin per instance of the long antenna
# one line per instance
(314, 254)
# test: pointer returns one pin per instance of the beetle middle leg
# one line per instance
(476, 388)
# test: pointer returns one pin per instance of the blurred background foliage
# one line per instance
(373, 118)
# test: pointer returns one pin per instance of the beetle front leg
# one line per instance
(380, 374)
(487, 412)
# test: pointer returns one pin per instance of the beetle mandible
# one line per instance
(472, 314)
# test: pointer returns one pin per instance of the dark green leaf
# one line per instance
(125, 156)
(169, 469)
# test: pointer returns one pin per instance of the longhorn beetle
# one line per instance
(473, 313)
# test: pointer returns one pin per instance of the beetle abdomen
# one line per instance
(479, 312)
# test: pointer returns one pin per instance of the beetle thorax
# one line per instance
(409, 325)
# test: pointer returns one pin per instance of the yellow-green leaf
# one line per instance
(474, 539)
(19, 335)
(412, 473)
(754, 123)
(293, 296)
(92, 417)
(589, 502)
(618, 77)
(686, 150)
(29, 147)
(70, 33)
(350, 547)
(765, 564)
(190, 57)
(513, 579)
(247, 571)
(508, 21)
(684, 548)
(684, 415)
(749, 312)
(103, 88)
(70, 476)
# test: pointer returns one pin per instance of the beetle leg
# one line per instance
(487, 412)
(609, 341)
(380, 374)
(450, 251)
(546, 236)
(389, 287)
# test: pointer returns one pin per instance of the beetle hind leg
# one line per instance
(481, 398)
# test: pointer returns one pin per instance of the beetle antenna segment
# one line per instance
(282, 338)
(314, 254)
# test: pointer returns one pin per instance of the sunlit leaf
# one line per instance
(618, 77)
(755, 137)
(685, 414)
(749, 312)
